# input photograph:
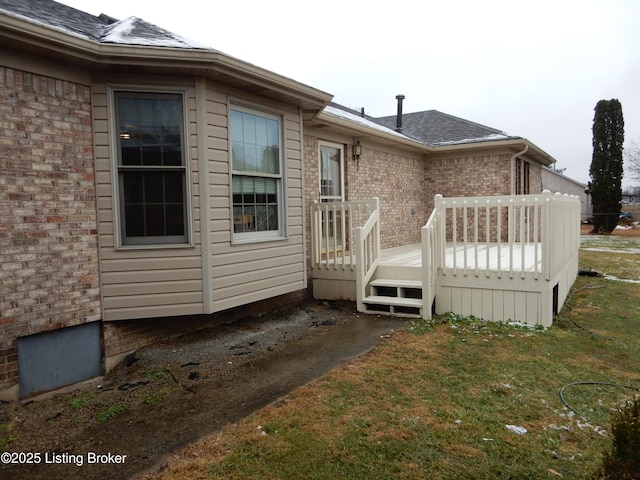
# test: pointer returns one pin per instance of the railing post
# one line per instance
(547, 234)
(427, 270)
(360, 267)
(376, 203)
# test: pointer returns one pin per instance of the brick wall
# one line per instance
(464, 176)
(407, 183)
(48, 238)
(397, 179)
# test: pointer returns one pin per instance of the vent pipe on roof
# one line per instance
(400, 98)
(107, 19)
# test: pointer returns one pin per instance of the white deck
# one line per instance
(498, 258)
(494, 257)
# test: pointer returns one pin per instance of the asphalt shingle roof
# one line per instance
(436, 128)
(101, 29)
(430, 127)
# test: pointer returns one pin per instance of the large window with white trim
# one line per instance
(151, 168)
(257, 179)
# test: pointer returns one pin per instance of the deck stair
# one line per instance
(402, 298)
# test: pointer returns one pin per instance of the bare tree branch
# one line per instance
(632, 160)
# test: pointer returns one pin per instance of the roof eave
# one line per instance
(363, 131)
(515, 144)
(205, 62)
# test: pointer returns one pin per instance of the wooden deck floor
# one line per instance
(495, 258)
(404, 256)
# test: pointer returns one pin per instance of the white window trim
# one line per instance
(115, 181)
(341, 147)
(261, 236)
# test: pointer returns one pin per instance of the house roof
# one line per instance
(437, 128)
(101, 29)
(343, 120)
(133, 45)
(102, 43)
(427, 132)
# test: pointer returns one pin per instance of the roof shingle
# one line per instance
(436, 128)
(101, 29)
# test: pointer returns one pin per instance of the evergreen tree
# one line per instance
(606, 165)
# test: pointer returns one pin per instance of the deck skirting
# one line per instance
(498, 296)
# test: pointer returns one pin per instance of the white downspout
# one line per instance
(513, 167)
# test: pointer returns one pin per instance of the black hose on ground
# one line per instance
(608, 384)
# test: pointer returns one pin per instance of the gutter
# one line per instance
(377, 133)
(540, 155)
(17, 31)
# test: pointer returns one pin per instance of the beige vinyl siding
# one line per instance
(145, 282)
(248, 272)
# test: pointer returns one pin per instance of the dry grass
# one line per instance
(434, 402)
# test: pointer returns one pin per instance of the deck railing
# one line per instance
(333, 226)
(431, 258)
(506, 235)
(368, 248)
(526, 236)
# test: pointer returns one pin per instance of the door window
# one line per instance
(331, 173)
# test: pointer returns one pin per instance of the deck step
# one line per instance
(393, 282)
(394, 301)
(395, 306)
(396, 288)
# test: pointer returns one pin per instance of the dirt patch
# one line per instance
(626, 228)
(171, 394)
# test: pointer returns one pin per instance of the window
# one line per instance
(331, 173)
(256, 165)
(151, 168)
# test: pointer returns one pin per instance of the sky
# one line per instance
(533, 69)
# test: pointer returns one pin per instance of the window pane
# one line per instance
(273, 217)
(134, 220)
(133, 187)
(255, 204)
(255, 143)
(149, 128)
(174, 220)
(330, 174)
(154, 220)
(153, 188)
(154, 204)
(174, 189)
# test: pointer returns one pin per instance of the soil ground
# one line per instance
(626, 228)
(170, 394)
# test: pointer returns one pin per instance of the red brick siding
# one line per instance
(48, 238)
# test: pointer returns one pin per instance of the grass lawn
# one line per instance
(452, 398)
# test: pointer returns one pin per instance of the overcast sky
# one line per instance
(535, 69)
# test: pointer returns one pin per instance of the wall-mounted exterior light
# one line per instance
(357, 150)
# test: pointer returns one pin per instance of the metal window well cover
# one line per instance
(57, 358)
